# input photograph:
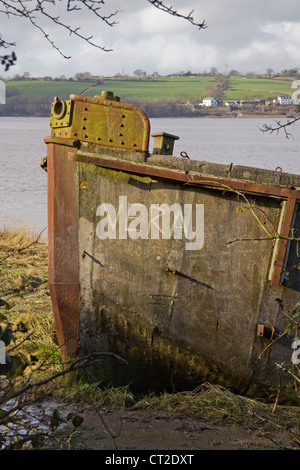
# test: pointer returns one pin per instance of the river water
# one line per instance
(23, 190)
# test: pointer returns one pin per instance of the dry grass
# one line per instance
(218, 405)
(24, 296)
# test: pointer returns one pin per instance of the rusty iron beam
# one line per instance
(185, 178)
(63, 257)
(280, 248)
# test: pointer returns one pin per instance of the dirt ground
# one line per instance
(131, 429)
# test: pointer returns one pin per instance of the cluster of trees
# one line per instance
(22, 105)
(164, 108)
(295, 73)
(217, 90)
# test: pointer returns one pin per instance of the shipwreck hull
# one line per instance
(179, 312)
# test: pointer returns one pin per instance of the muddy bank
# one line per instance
(139, 429)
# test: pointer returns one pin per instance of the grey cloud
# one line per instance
(237, 34)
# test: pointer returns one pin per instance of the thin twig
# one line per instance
(113, 436)
(81, 363)
(279, 127)
(170, 10)
(18, 250)
(288, 371)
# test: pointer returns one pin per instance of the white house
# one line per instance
(285, 100)
(209, 102)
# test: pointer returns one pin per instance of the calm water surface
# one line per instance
(23, 190)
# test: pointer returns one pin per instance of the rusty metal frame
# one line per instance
(279, 253)
(225, 184)
(184, 177)
(63, 257)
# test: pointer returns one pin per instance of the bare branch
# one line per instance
(170, 10)
(8, 60)
(35, 10)
(5, 44)
(280, 126)
(18, 250)
(83, 362)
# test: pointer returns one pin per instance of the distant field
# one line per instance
(256, 88)
(175, 89)
(48, 88)
(179, 89)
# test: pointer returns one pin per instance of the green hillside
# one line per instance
(174, 89)
(48, 88)
(177, 89)
(256, 88)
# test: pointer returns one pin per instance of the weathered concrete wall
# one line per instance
(177, 329)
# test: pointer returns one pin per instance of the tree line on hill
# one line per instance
(40, 106)
(23, 105)
(179, 106)
(293, 73)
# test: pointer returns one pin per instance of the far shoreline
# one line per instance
(215, 114)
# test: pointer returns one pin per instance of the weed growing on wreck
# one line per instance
(292, 325)
(291, 328)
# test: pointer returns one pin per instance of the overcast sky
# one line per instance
(246, 35)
